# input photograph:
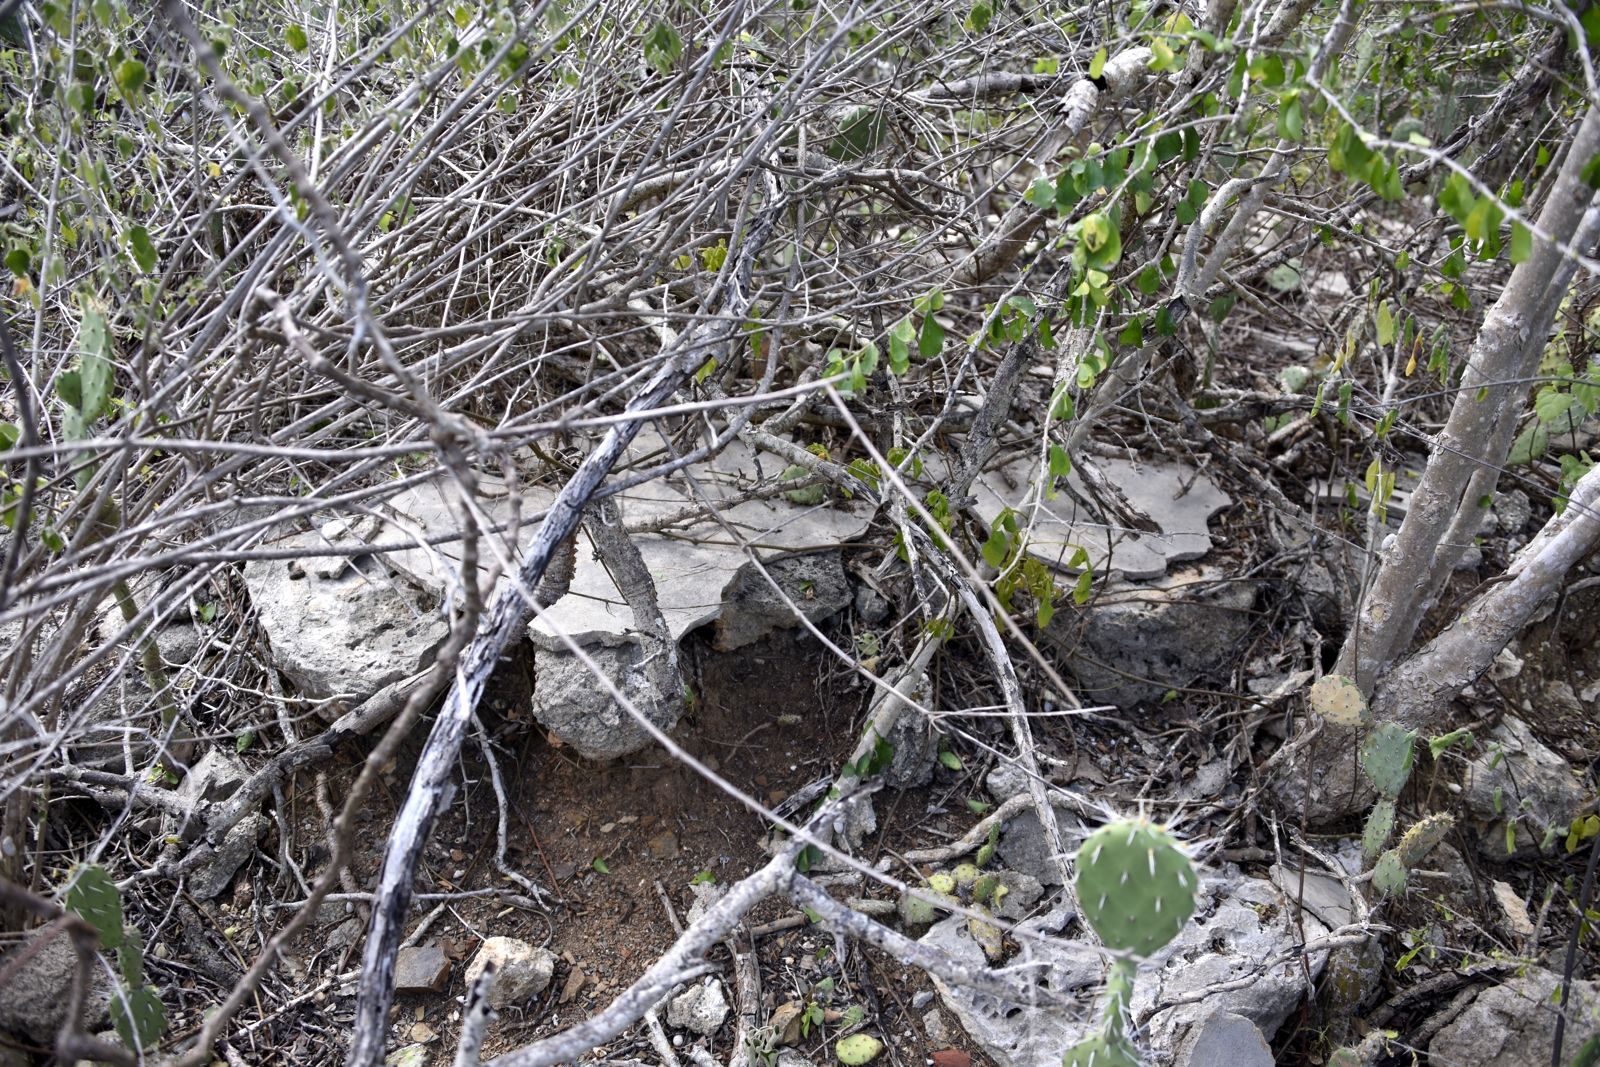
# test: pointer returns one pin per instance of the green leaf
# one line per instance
(1550, 404)
(296, 38)
(994, 549)
(1437, 745)
(978, 20)
(1133, 333)
(1100, 242)
(1385, 324)
(243, 742)
(599, 865)
(1149, 280)
(950, 759)
(148, 1017)
(1083, 588)
(1591, 172)
(1097, 65)
(662, 47)
(703, 878)
(130, 76)
(208, 612)
(1060, 462)
(1521, 243)
(98, 902)
(978, 807)
(18, 261)
(930, 342)
(143, 249)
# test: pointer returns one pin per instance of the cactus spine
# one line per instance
(1136, 887)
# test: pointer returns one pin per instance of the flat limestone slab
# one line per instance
(691, 565)
(1180, 499)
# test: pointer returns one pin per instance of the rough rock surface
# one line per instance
(123, 712)
(35, 1001)
(702, 1009)
(236, 848)
(348, 635)
(571, 703)
(1511, 1024)
(1135, 642)
(1223, 1039)
(705, 895)
(421, 969)
(1227, 939)
(751, 608)
(1531, 779)
(1022, 893)
(212, 779)
(521, 970)
(1023, 848)
(916, 747)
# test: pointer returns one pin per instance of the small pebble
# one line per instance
(677, 1040)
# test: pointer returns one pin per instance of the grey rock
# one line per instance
(216, 775)
(421, 969)
(1006, 781)
(35, 1000)
(236, 848)
(521, 970)
(1020, 1035)
(1133, 643)
(1325, 896)
(921, 999)
(1023, 848)
(1209, 780)
(571, 703)
(788, 1057)
(124, 713)
(1511, 1024)
(705, 895)
(1179, 499)
(916, 748)
(1512, 510)
(702, 1009)
(1352, 977)
(933, 1026)
(1247, 921)
(178, 644)
(334, 911)
(751, 609)
(1531, 779)
(1022, 893)
(1223, 1039)
(871, 605)
(347, 636)
(342, 936)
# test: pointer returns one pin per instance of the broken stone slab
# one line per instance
(1532, 782)
(1325, 896)
(702, 1009)
(347, 636)
(1133, 643)
(1022, 893)
(421, 969)
(212, 780)
(814, 582)
(236, 849)
(1178, 497)
(1512, 1024)
(521, 970)
(573, 705)
(1022, 846)
(35, 1000)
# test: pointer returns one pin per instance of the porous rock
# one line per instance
(702, 1009)
(569, 701)
(521, 970)
(751, 608)
(1532, 781)
(34, 1004)
(1022, 893)
(1023, 848)
(1135, 642)
(348, 635)
(916, 747)
(236, 848)
(1511, 1024)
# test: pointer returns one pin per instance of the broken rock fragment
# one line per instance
(571, 702)
(521, 970)
(348, 635)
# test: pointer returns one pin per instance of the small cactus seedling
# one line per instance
(1339, 700)
(1380, 824)
(1136, 886)
(1386, 757)
(1422, 837)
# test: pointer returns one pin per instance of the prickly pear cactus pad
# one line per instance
(1339, 700)
(1101, 1050)
(1389, 876)
(1386, 757)
(1421, 838)
(1380, 824)
(1136, 885)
